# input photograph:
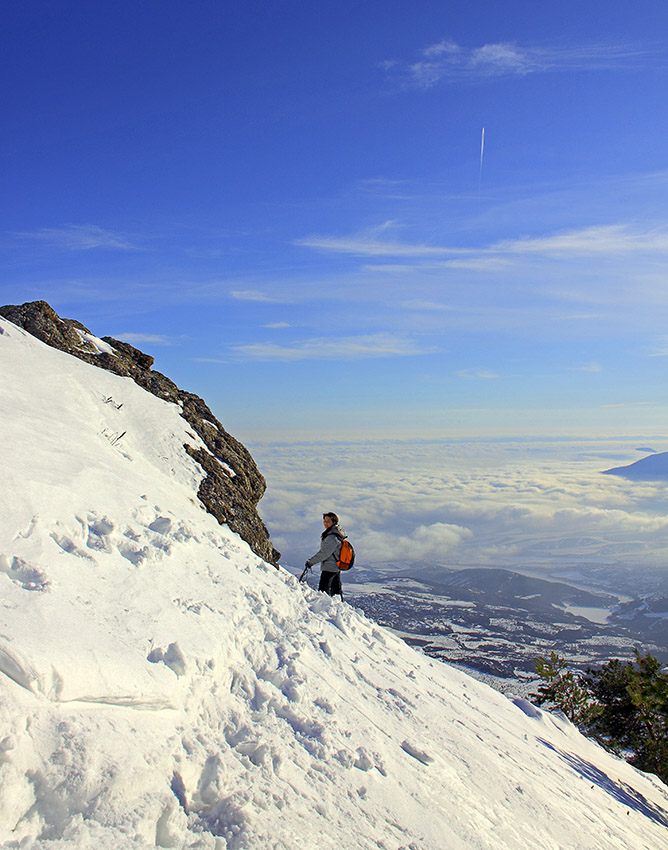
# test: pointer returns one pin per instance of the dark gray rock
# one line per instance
(233, 485)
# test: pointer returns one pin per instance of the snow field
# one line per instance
(161, 686)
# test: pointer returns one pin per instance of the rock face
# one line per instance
(233, 485)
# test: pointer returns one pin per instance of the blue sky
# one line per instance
(286, 204)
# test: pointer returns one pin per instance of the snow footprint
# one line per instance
(161, 524)
(21, 573)
(68, 545)
(157, 532)
(99, 529)
(129, 548)
(172, 657)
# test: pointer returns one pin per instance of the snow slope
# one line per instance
(160, 685)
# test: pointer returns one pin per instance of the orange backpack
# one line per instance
(347, 556)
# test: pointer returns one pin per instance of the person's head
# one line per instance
(330, 519)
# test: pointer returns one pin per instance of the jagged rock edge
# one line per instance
(232, 485)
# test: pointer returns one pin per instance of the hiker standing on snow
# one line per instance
(328, 555)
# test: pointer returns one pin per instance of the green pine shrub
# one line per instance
(621, 704)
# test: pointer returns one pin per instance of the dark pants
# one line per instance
(330, 583)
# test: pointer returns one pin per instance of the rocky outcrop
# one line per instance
(233, 485)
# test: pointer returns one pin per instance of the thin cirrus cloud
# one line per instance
(630, 404)
(84, 237)
(257, 296)
(587, 367)
(421, 304)
(363, 246)
(154, 339)
(662, 351)
(372, 242)
(347, 348)
(477, 375)
(611, 240)
(480, 264)
(446, 61)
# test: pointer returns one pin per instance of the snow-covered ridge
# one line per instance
(231, 484)
(162, 686)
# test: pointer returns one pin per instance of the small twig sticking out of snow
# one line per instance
(118, 438)
(110, 400)
(113, 438)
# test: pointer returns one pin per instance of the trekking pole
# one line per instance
(303, 575)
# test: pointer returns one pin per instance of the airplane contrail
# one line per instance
(482, 153)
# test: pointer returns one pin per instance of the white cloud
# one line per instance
(373, 241)
(433, 541)
(278, 325)
(611, 240)
(418, 304)
(447, 61)
(155, 339)
(342, 348)
(502, 504)
(577, 317)
(662, 351)
(479, 264)
(473, 374)
(482, 263)
(81, 238)
(256, 295)
(364, 246)
(588, 367)
(630, 404)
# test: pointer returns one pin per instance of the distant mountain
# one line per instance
(496, 621)
(504, 587)
(651, 468)
(648, 618)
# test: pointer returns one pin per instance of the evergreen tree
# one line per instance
(622, 704)
(633, 718)
(563, 689)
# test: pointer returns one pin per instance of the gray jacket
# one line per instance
(330, 550)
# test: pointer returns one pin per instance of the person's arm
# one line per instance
(327, 548)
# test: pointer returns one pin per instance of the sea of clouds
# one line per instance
(527, 505)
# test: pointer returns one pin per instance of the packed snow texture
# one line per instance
(161, 686)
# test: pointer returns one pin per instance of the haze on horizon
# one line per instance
(541, 507)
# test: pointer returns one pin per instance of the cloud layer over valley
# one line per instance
(519, 505)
